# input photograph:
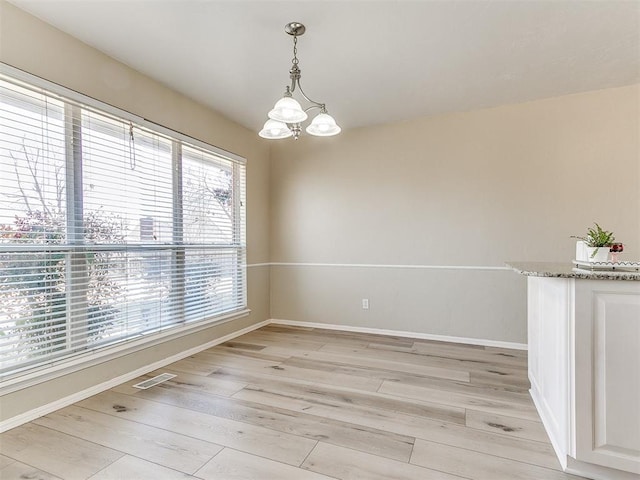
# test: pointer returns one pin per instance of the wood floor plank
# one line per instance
(510, 426)
(418, 360)
(343, 397)
(131, 468)
(304, 424)
(460, 352)
(379, 369)
(460, 400)
(6, 461)
(248, 438)
(501, 378)
(364, 417)
(19, 470)
(156, 445)
(259, 337)
(527, 451)
(194, 366)
(354, 371)
(285, 372)
(243, 353)
(56, 453)
(410, 358)
(234, 465)
(321, 356)
(478, 466)
(347, 464)
(231, 358)
(242, 346)
(488, 392)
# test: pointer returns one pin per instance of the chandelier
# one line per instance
(287, 115)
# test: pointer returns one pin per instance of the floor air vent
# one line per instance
(152, 382)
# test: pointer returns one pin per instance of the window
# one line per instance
(110, 229)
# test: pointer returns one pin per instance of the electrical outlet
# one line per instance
(365, 304)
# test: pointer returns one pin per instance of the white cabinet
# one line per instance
(584, 368)
(607, 373)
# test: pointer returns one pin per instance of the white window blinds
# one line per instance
(109, 230)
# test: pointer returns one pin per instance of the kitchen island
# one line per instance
(584, 365)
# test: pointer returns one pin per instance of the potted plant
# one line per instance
(598, 243)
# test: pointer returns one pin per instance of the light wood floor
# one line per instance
(302, 404)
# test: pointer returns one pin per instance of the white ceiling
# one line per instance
(371, 62)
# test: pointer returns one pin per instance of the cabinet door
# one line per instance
(607, 377)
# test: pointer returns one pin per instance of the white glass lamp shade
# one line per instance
(274, 130)
(287, 110)
(323, 125)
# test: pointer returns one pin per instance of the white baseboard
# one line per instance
(597, 472)
(101, 387)
(400, 333)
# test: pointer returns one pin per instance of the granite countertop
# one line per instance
(569, 270)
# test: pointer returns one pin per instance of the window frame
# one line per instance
(28, 376)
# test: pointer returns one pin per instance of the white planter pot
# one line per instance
(598, 254)
(581, 251)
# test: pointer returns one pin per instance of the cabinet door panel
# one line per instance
(616, 375)
(607, 374)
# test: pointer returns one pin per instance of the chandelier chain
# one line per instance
(294, 60)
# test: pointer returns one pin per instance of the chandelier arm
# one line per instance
(320, 105)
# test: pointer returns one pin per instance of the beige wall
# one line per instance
(37, 48)
(466, 189)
